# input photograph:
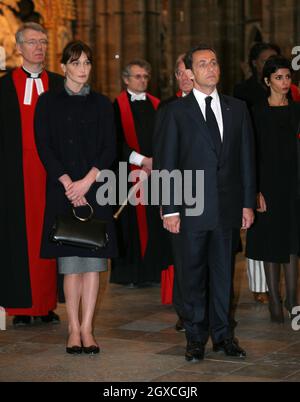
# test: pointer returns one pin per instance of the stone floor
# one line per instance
(138, 341)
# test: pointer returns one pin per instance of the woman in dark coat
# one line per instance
(75, 138)
(274, 237)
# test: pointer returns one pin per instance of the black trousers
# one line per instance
(204, 275)
(177, 287)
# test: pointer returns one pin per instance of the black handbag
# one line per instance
(75, 231)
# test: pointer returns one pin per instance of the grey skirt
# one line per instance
(81, 265)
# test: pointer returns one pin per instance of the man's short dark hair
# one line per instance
(188, 60)
(256, 51)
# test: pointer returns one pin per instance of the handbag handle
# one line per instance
(84, 219)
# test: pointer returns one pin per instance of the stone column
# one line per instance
(100, 68)
(114, 47)
(231, 43)
(85, 28)
(134, 30)
(153, 53)
(283, 32)
(167, 43)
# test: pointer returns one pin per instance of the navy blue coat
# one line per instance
(73, 135)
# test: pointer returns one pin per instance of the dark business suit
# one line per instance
(206, 239)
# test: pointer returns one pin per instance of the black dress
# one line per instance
(275, 233)
(131, 266)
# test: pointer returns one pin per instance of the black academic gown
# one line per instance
(131, 267)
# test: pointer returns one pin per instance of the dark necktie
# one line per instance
(212, 125)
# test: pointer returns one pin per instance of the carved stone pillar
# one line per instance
(134, 30)
(153, 31)
(115, 47)
(166, 77)
(284, 25)
(231, 43)
(85, 26)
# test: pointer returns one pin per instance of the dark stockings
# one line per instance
(291, 282)
(272, 271)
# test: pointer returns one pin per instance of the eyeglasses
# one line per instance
(140, 76)
(181, 73)
(34, 42)
(204, 66)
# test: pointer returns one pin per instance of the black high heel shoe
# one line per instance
(91, 350)
(289, 310)
(74, 350)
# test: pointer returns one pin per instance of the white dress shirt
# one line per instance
(135, 158)
(215, 105)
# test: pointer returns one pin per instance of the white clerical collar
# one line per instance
(31, 74)
(137, 97)
(31, 79)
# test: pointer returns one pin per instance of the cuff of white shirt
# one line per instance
(169, 215)
(136, 159)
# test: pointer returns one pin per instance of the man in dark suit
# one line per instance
(212, 133)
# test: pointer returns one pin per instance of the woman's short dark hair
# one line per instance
(273, 64)
(73, 50)
(188, 60)
(256, 51)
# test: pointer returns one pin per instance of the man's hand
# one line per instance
(261, 203)
(172, 224)
(248, 218)
(147, 163)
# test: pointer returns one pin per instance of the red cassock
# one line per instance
(42, 272)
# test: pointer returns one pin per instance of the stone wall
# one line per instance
(160, 30)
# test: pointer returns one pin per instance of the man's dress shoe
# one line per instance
(51, 318)
(194, 351)
(230, 347)
(21, 320)
(179, 326)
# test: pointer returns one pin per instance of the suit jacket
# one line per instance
(157, 135)
(229, 179)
